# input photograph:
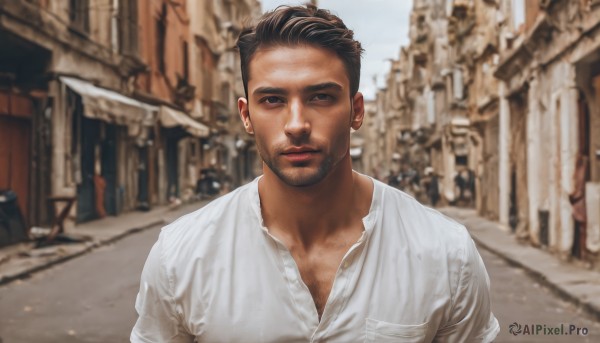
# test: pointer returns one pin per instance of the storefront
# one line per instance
(108, 135)
(178, 166)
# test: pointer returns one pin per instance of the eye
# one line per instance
(271, 100)
(323, 97)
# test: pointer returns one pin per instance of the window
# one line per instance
(128, 27)
(79, 15)
(161, 32)
(461, 160)
(207, 66)
(186, 63)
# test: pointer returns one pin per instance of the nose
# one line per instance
(297, 124)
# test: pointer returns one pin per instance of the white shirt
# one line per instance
(217, 275)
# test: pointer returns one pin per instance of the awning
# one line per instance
(356, 152)
(171, 118)
(460, 126)
(112, 107)
(460, 121)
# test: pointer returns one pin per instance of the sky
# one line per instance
(380, 25)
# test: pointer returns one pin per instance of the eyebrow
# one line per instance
(323, 86)
(307, 89)
(269, 90)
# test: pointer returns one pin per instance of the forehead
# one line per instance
(301, 65)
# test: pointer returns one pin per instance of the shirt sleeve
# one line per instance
(158, 320)
(471, 319)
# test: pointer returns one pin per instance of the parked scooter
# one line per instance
(209, 184)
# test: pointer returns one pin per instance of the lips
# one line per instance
(299, 154)
(299, 150)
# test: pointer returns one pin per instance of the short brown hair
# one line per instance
(293, 25)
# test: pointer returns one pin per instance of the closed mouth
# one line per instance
(299, 150)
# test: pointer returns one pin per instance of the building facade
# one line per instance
(113, 105)
(550, 128)
(513, 106)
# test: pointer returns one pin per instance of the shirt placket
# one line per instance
(303, 302)
(301, 294)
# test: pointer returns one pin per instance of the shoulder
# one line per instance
(203, 227)
(420, 226)
(401, 208)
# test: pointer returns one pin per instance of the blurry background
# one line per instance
(117, 116)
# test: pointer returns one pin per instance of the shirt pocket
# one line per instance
(383, 332)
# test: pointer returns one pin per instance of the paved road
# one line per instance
(87, 299)
(90, 299)
(518, 298)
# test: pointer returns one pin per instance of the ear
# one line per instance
(358, 113)
(245, 115)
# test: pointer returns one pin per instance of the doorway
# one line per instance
(518, 193)
(98, 151)
(582, 176)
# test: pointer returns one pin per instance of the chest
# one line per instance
(318, 269)
(319, 263)
(354, 286)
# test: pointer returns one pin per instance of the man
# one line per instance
(431, 185)
(311, 251)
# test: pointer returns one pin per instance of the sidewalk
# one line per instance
(19, 261)
(571, 282)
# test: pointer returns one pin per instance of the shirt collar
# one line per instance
(368, 221)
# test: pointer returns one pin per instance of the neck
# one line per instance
(314, 212)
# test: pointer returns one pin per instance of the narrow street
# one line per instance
(91, 299)
(88, 299)
(516, 297)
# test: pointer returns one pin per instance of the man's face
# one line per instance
(300, 110)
